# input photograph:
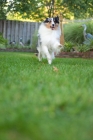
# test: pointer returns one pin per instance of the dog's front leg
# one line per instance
(39, 56)
(46, 52)
(49, 60)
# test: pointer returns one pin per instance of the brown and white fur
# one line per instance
(49, 39)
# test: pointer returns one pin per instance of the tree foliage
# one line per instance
(3, 4)
(80, 9)
(39, 9)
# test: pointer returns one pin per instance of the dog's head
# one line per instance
(52, 22)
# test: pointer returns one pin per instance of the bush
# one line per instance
(68, 46)
(34, 41)
(2, 40)
(83, 48)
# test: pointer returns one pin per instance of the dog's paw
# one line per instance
(49, 61)
(60, 46)
(40, 59)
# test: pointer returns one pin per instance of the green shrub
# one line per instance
(88, 45)
(34, 41)
(73, 33)
(68, 46)
(83, 48)
(2, 40)
(28, 42)
(91, 43)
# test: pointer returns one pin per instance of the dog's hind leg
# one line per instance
(39, 54)
(39, 48)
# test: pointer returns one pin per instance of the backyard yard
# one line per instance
(45, 102)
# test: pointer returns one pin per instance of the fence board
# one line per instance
(4, 29)
(28, 32)
(13, 32)
(20, 30)
(32, 30)
(16, 31)
(1, 26)
(9, 31)
(24, 33)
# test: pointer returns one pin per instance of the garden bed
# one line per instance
(18, 50)
(88, 54)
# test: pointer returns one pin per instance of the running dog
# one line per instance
(49, 39)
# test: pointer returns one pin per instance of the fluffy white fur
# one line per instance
(48, 42)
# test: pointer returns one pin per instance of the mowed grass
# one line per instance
(39, 101)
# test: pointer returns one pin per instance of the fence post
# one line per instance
(4, 30)
(61, 26)
(36, 26)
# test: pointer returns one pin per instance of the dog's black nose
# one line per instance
(53, 25)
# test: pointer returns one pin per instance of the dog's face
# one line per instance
(52, 23)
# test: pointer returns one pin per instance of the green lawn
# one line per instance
(39, 101)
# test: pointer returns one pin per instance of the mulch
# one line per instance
(88, 54)
(18, 50)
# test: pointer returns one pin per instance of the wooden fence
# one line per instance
(14, 30)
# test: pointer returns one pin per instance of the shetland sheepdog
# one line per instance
(49, 39)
